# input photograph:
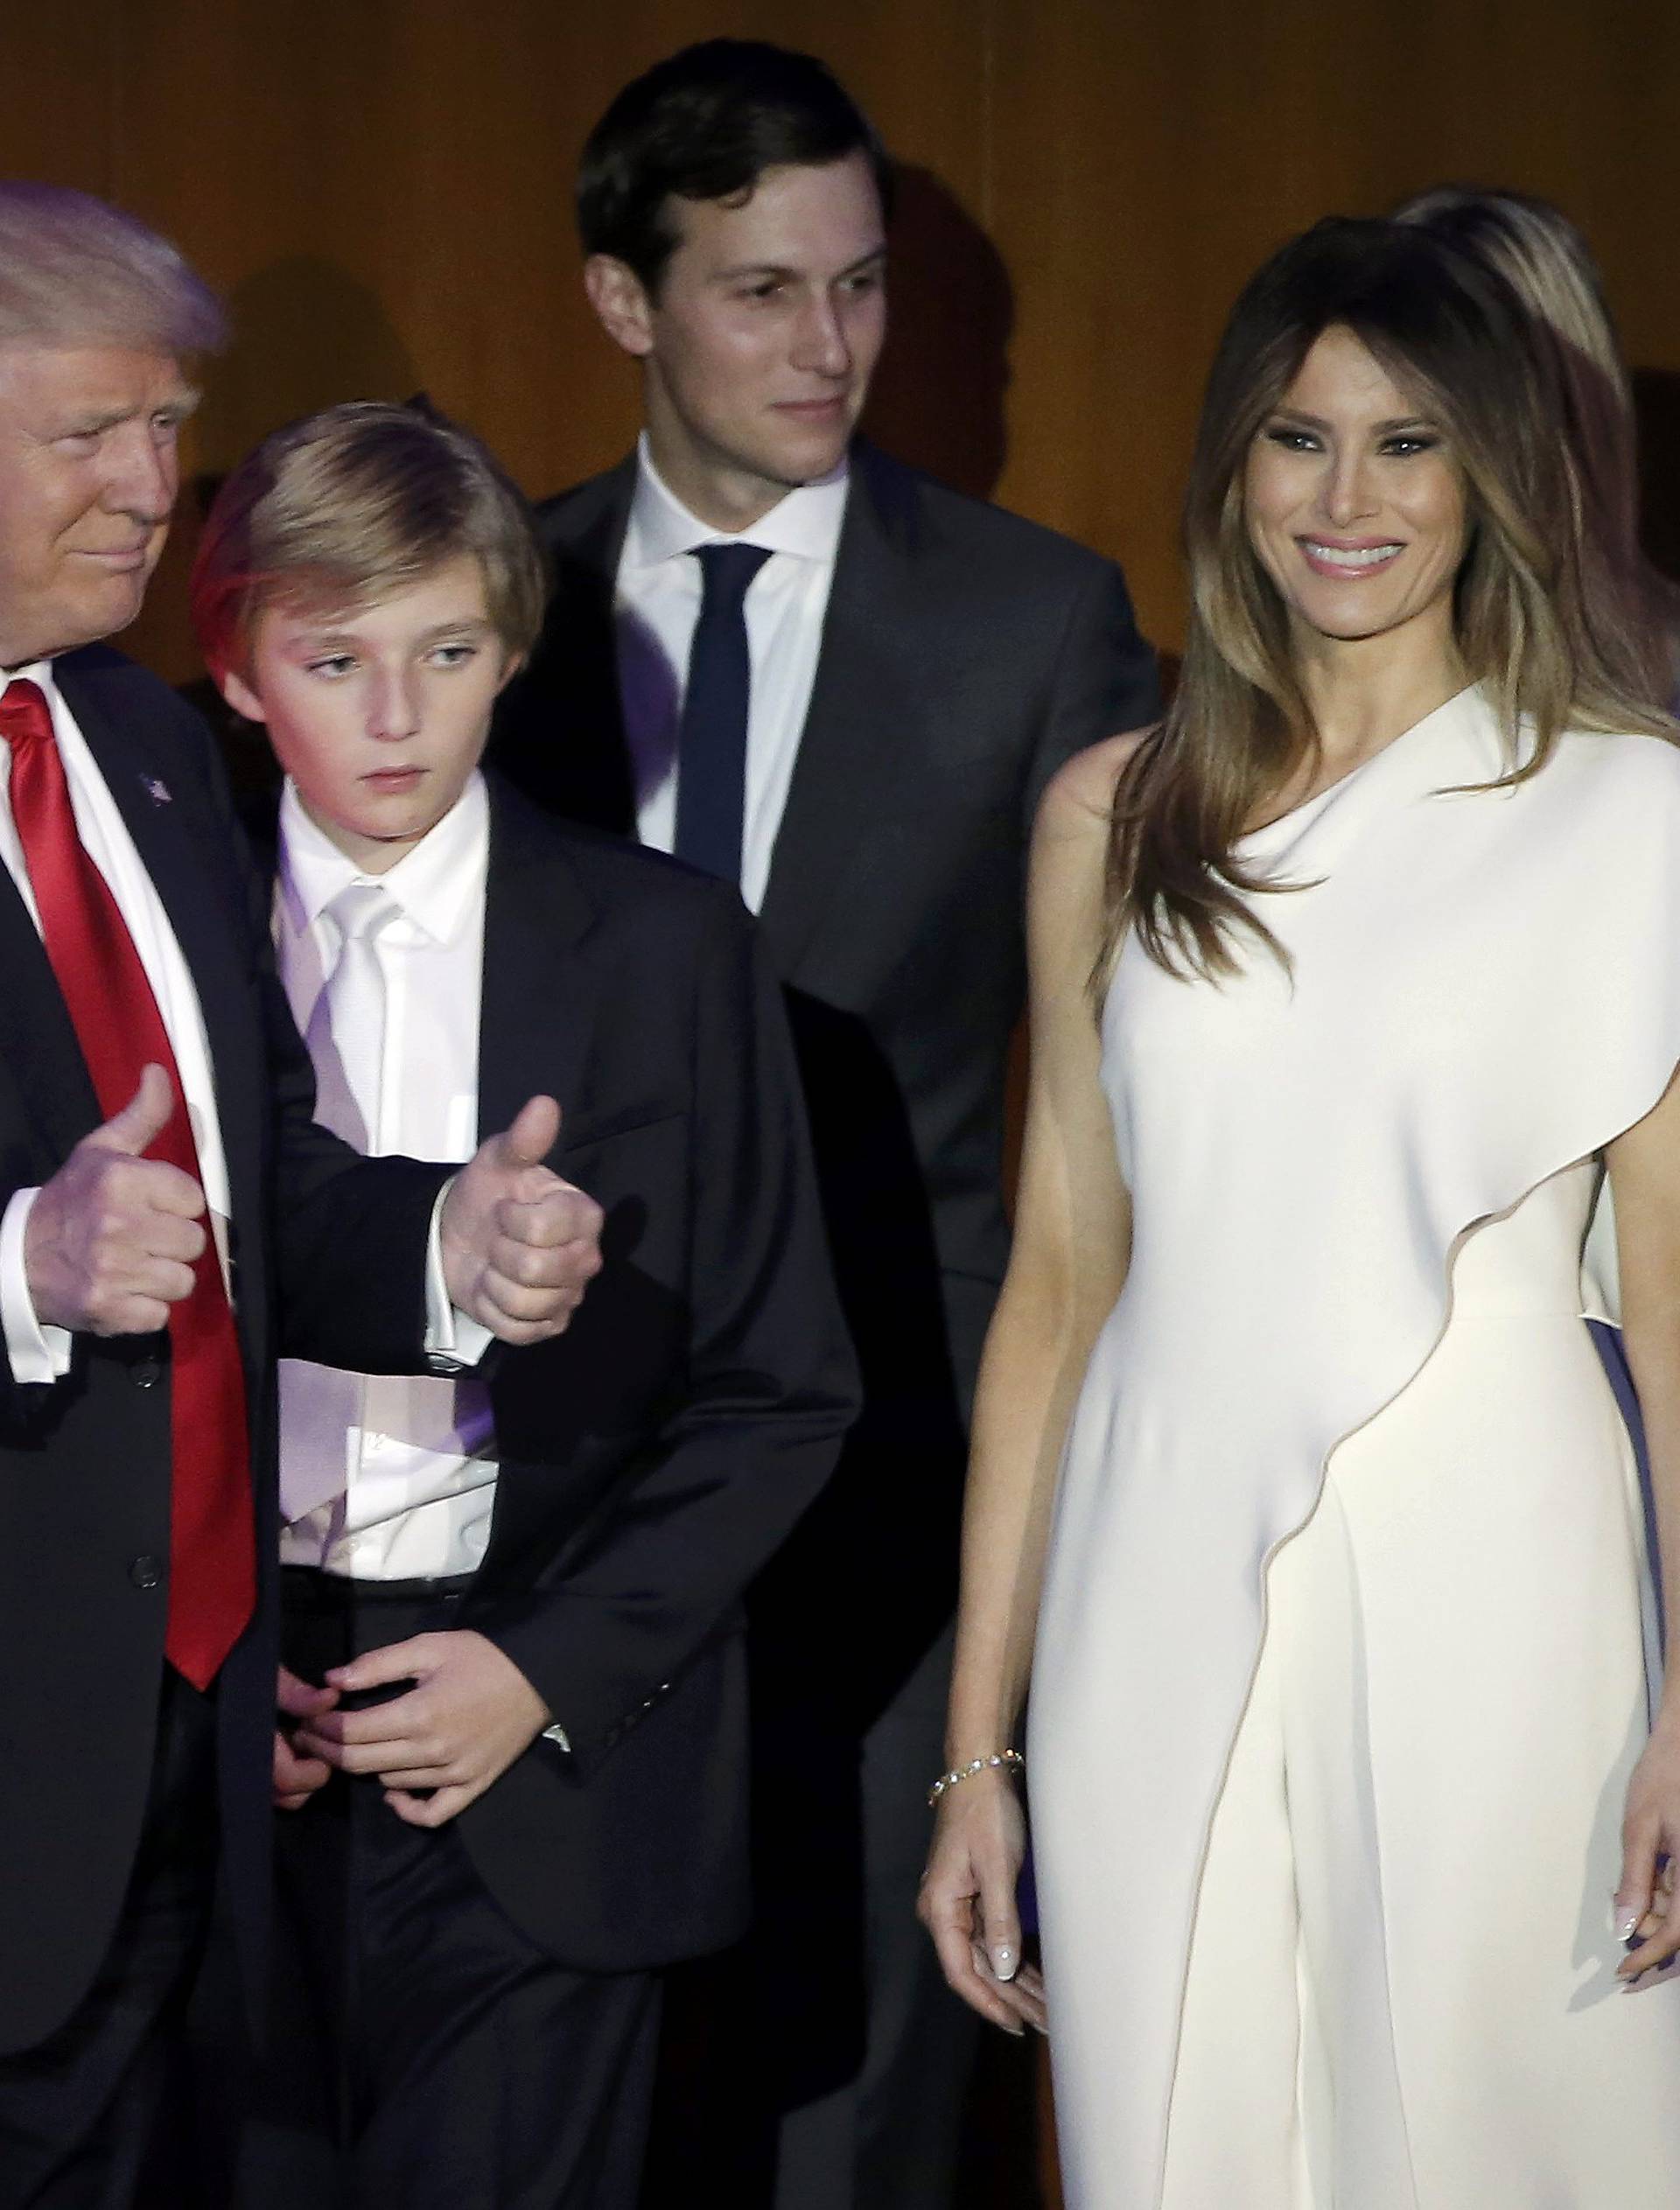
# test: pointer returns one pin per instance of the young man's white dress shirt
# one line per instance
(657, 604)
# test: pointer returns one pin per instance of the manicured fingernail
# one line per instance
(1004, 1961)
(1624, 1923)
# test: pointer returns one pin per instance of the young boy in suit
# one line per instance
(511, 1754)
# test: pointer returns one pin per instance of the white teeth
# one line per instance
(1339, 556)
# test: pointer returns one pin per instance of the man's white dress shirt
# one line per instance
(657, 604)
(405, 1464)
(40, 1353)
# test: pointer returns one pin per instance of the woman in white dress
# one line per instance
(1297, 1485)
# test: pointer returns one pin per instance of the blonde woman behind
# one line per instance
(1297, 1485)
(1543, 257)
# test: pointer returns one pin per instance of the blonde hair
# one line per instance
(76, 271)
(1547, 262)
(352, 505)
(1541, 254)
(1455, 337)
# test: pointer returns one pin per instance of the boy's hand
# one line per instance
(470, 1713)
(520, 1246)
(296, 1777)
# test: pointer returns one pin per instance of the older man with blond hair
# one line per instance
(171, 1219)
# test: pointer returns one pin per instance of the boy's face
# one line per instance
(380, 714)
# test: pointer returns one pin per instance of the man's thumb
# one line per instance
(533, 1134)
(144, 1118)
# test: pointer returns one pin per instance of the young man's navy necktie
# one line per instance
(711, 742)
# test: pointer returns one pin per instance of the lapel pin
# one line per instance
(156, 790)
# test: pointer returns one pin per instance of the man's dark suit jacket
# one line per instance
(654, 1456)
(328, 1261)
(966, 654)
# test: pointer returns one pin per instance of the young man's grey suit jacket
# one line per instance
(966, 654)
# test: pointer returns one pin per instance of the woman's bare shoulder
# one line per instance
(1079, 799)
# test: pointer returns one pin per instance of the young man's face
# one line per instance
(760, 345)
(379, 715)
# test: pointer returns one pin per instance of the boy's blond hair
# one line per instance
(348, 506)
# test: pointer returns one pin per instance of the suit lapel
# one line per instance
(38, 1042)
(562, 725)
(594, 549)
(854, 742)
(539, 1006)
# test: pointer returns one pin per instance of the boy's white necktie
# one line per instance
(347, 1030)
(347, 1041)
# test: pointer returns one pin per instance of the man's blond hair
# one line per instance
(77, 271)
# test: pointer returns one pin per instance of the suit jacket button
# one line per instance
(146, 1373)
(145, 1571)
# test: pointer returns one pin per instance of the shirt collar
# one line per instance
(806, 522)
(37, 671)
(434, 885)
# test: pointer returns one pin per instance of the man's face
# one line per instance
(379, 714)
(761, 340)
(88, 470)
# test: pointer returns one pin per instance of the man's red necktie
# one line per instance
(212, 1559)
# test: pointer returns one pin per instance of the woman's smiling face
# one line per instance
(1354, 505)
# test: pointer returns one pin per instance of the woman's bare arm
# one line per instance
(1067, 1265)
(1645, 1186)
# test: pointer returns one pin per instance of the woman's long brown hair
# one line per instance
(1455, 337)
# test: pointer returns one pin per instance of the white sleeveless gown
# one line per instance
(1344, 1653)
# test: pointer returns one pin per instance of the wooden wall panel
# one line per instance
(59, 71)
(383, 187)
(1147, 156)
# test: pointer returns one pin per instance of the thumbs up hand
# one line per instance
(112, 1239)
(520, 1246)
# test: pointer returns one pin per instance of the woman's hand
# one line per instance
(1648, 1902)
(967, 1901)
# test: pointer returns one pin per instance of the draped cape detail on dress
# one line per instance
(1483, 987)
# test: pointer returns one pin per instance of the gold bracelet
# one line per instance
(1005, 1760)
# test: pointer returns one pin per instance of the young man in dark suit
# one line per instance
(778, 652)
(513, 1762)
(170, 1217)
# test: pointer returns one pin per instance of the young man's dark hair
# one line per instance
(705, 124)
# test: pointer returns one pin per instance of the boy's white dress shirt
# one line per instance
(390, 1477)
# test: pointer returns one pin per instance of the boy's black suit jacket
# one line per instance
(328, 1259)
(966, 653)
(654, 1456)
